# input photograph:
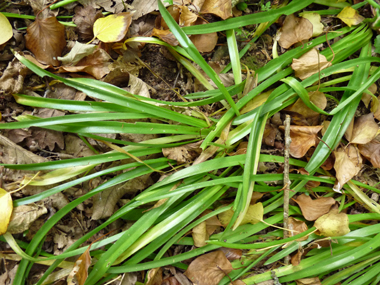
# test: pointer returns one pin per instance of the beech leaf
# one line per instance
(221, 8)
(112, 28)
(303, 138)
(332, 224)
(187, 18)
(308, 64)
(313, 209)
(6, 31)
(204, 42)
(295, 30)
(350, 16)
(297, 226)
(46, 40)
(6, 208)
(365, 129)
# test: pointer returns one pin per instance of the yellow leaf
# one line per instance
(253, 216)
(315, 20)
(5, 29)
(112, 28)
(350, 16)
(333, 224)
(6, 208)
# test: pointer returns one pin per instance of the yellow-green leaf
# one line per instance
(253, 216)
(350, 16)
(5, 29)
(6, 207)
(113, 27)
(333, 224)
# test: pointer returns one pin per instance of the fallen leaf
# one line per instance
(269, 135)
(364, 130)
(303, 138)
(114, 6)
(220, 8)
(23, 216)
(154, 276)
(174, 11)
(85, 18)
(371, 151)
(80, 270)
(296, 258)
(350, 16)
(209, 269)
(232, 253)
(316, 97)
(241, 149)
(348, 163)
(256, 196)
(204, 42)
(200, 235)
(257, 101)
(313, 209)
(315, 20)
(46, 40)
(238, 282)
(165, 35)
(6, 31)
(309, 281)
(78, 52)
(12, 80)
(186, 18)
(298, 227)
(184, 153)
(366, 98)
(253, 216)
(308, 64)
(112, 28)
(333, 224)
(6, 208)
(295, 30)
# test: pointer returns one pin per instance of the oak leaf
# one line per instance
(295, 30)
(313, 209)
(46, 40)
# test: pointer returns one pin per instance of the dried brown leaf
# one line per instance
(204, 42)
(23, 216)
(12, 80)
(85, 18)
(309, 281)
(80, 270)
(46, 40)
(221, 8)
(296, 258)
(187, 18)
(366, 98)
(371, 151)
(308, 64)
(200, 234)
(165, 35)
(365, 129)
(348, 163)
(313, 209)
(295, 30)
(154, 276)
(209, 268)
(232, 253)
(174, 11)
(184, 153)
(297, 226)
(303, 138)
(316, 97)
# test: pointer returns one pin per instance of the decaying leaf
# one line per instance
(333, 224)
(209, 269)
(253, 216)
(348, 163)
(232, 253)
(295, 30)
(303, 138)
(316, 97)
(6, 31)
(313, 209)
(80, 270)
(187, 18)
(85, 18)
(366, 98)
(371, 151)
(112, 28)
(298, 227)
(364, 130)
(78, 52)
(315, 20)
(155, 276)
(308, 64)
(200, 234)
(257, 101)
(165, 35)
(204, 42)
(184, 153)
(221, 8)
(46, 40)
(12, 80)
(309, 281)
(6, 208)
(23, 216)
(350, 16)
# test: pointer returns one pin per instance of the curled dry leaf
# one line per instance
(303, 138)
(309, 281)
(209, 269)
(298, 227)
(78, 52)
(371, 151)
(232, 253)
(12, 80)
(348, 163)
(80, 270)
(364, 130)
(350, 16)
(221, 8)
(295, 30)
(112, 28)
(46, 40)
(6, 208)
(154, 276)
(315, 20)
(165, 35)
(204, 42)
(332, 224)
(253, 216)
(316, 97)
(308, 64)
(296, 258)
(313, 209)
(187, 18)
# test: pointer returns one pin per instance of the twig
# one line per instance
(286, 180)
